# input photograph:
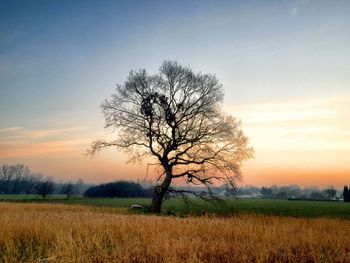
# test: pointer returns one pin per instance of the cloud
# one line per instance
(297, 5)
(52, 132)
(19, 142)
(293, 111)
(297, 125)
(294, 11)
(19, 133)
(61, 148)
(10, 129)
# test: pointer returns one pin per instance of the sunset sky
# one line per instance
(284, 65)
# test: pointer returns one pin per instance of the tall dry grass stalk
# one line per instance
(61, 233)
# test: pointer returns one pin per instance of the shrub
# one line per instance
(118, 189)
(346, 194)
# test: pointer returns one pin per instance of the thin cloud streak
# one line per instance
(297, 125)
(16, 143)
(11, 129)
(63, 148)
(22, 133)
(294, 11)
(263, 113)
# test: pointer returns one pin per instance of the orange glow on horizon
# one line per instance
(304, 143)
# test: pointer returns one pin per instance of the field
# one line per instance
(66, 233)
(106, 230)
(197, 207)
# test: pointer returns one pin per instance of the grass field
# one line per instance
(198, 207)
(66, 233)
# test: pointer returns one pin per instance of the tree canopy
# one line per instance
(175, 118)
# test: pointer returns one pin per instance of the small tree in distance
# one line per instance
(44, 188)
(68, 189)
(330, 192)
(175, 118)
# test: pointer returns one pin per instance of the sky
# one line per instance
(284, 66)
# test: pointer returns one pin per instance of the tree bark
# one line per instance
(157, 200)
(159, 192)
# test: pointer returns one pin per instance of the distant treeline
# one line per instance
(18, 179)
(293, 191)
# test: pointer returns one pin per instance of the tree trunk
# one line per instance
(159, 192)
(157, 200)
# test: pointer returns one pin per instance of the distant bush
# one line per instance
(266, 192)
(118, 189)
(317, 195)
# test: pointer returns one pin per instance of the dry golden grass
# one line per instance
(61, 233)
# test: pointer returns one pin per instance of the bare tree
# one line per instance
(330, 192)
(20, 172)
(6, 176)
(31, 181)
(175, 118)
(13, 178)
(44, 188)
(68, 189)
